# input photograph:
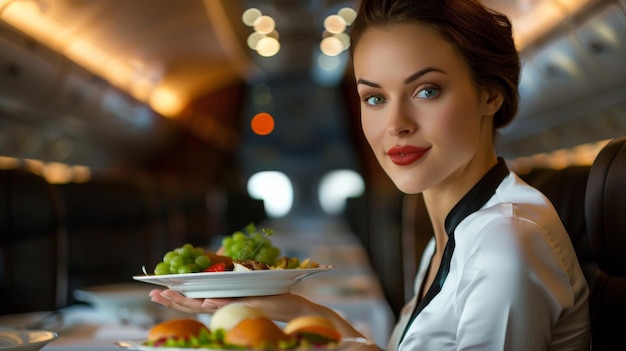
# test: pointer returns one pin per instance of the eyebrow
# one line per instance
(408, 80)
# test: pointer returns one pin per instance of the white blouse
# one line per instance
(514, 282)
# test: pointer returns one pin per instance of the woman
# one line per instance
(436, 79)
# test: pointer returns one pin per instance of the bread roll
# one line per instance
(316, 329)
(256, 333)
(177, 329)
(230, 315)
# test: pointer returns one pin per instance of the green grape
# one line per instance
(251, 244)
(185, 251)
(235, 248)
(263, 258)
(193, 267)
(184, 259)
(162, 268)
(176, 262)
(239, 237)
(228, 242)
(168, 256)
(197, 252)
(184, 269)
(258, 238)
(203, 262)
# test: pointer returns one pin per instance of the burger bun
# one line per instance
(176, 329)
(230, 315)
(316, 329)
(259, 333)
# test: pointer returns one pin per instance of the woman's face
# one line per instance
(420, 110)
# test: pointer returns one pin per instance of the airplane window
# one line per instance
(275, 189)
(336, 186)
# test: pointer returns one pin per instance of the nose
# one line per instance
(400, 121)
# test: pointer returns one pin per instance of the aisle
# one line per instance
(351, 288)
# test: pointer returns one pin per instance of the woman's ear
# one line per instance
(492, 100)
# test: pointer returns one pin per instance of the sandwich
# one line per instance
(314, 330)
(258, 333)
(230, 315)
(177, 332)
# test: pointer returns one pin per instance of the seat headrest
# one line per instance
(605, 207)
(29, 205)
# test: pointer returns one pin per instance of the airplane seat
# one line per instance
(31, 239)
(110, 232)
(565, 188)
(605, 206)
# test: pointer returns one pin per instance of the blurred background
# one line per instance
(154, 122)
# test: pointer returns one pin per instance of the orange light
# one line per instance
(262, 123)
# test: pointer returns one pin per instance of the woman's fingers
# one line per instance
(173, 299)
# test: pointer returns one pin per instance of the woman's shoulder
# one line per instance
(520, 205)
(516, 216)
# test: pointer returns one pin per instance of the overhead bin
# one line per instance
(604, 37)
(30, 73)
(572, 86)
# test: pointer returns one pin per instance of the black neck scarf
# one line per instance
(470, 203)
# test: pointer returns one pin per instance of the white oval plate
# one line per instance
(113, 294)
(233, 284)
(25, 340)
(140, 345)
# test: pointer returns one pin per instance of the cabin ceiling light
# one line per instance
(253, 39)
(348, 14)
(250, 16)
(335, 24)
(335, 40)
(264, 24)
(264, 39)
(139, 80)
(268, 46)
(331, 46)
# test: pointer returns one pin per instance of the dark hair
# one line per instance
(481, 35)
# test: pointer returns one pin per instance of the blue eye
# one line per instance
(428, 93)
(374, 100)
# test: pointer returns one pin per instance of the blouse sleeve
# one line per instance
(512, 289)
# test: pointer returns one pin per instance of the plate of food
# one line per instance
(25, 340)
(238, 326)
(236, 283)
(247, 265)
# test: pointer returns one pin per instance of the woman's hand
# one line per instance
(277, 307)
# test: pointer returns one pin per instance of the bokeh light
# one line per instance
(262, 123)
(275, 189)
(268, 46)
(251, 15)
(264, 24)
(335, 24)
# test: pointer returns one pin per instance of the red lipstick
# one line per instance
(406, 155)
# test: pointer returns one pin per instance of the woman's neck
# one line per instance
(440, 199)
